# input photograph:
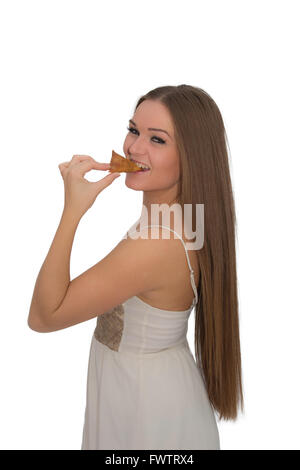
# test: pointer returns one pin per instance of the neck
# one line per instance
(168, 196)
(150, 198)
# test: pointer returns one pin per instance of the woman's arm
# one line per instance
(54, 276)
(53, 280)
(133, 267)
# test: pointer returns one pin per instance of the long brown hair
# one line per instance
(205, 179)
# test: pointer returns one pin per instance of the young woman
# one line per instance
(144, 388)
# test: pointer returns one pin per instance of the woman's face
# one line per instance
(156, 149)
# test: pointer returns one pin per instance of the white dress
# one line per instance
(144, 390)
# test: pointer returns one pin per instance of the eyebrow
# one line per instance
(151, 128)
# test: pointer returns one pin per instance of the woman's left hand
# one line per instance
(81, 194)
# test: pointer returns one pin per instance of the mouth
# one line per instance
(141, 165)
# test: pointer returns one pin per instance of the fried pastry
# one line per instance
(120, 164)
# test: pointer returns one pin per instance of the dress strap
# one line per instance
(188, 260)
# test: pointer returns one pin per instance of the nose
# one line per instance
(137, 148)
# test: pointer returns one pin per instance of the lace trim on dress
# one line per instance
(110, 327)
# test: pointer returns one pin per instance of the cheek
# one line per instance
(171, 168)
(166, 174)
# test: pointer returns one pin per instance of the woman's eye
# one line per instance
(160, 141)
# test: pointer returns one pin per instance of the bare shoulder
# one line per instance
(156, 246)
(165, 250)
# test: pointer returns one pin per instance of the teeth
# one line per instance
(141, 165)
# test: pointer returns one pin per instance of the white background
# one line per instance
(71, 73)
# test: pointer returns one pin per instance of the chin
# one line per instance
(139, 186)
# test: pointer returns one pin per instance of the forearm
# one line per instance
(54, 276)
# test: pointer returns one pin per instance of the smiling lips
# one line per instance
(120, 164)
(142, 165)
